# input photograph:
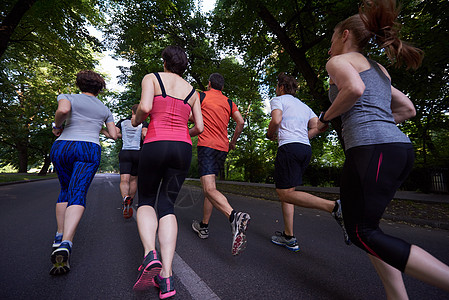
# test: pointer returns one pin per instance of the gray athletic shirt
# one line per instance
(370, 121)
(131, 136)
(86, 118)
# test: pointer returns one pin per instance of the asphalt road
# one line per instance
(107, 251)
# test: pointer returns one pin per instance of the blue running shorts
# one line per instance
(210, 161)
(76, 163)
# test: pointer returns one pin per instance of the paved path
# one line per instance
(405, 195)
(107, 251)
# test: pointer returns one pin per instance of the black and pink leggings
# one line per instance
(164, 163)
(371, 176)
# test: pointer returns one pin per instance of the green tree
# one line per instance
(45, 49)
(140, 30)
(11, 20)
(427, 26)
(294, 36)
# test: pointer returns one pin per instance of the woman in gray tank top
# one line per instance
(378, 155)
(76, 156)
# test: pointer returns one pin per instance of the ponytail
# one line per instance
(379, 18)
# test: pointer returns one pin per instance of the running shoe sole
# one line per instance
(127, 208)
(146, 278)
(338, 216)
(294, 249)
(239, 241)
(60, 260)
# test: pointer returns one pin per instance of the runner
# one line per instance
(213, 147)
(378, 155)
(293, 123)
(129, 159)
(76, 156)
(164, 162)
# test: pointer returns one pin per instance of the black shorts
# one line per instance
(291, 161)
(210, 161)
(163, 168)
(129, 161)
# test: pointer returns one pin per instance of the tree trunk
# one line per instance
(22, 151)
(11, 21)
(47, 162)
(299, 58)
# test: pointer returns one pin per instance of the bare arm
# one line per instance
(313, 127)
(62, 112)
(237, 116)
(146, 100)
(350, 87)
(112, 130)
(144, 132)
(401, 106)
(273, 127)
(197, 118)
(106, 133)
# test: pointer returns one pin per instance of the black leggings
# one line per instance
(371, 176)
(164, 163)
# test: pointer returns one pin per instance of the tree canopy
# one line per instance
(48, 46)
(248, 42)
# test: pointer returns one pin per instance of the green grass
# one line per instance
(8, 177)
(402, 209)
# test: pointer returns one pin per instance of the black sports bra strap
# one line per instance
(164, 94)
(190, 95)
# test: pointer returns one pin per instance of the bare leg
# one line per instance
(147, 226)
(60, 215)
(288, 211)
(72, 218)
(217, 199)
(391, 279)
(124, 184)
(303, 199)
(427, 268)
(207, 210)
(132, 186)
(168, 232)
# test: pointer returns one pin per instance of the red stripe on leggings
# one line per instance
(378, 166)
(365, 245)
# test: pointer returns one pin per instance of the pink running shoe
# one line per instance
(166, 286)
(150, 267)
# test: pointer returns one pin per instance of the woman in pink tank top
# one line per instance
(165, 158)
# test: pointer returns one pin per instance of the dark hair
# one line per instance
(175, 59)
(377, 19)
(216, 81)
(134, 108)
(90, 82)
(288, 82)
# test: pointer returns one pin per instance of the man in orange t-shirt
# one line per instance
(213, 147)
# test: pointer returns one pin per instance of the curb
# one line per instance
(25, 181)
(418, 222)
(386, 217)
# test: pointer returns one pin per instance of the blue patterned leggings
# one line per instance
(76, 163)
